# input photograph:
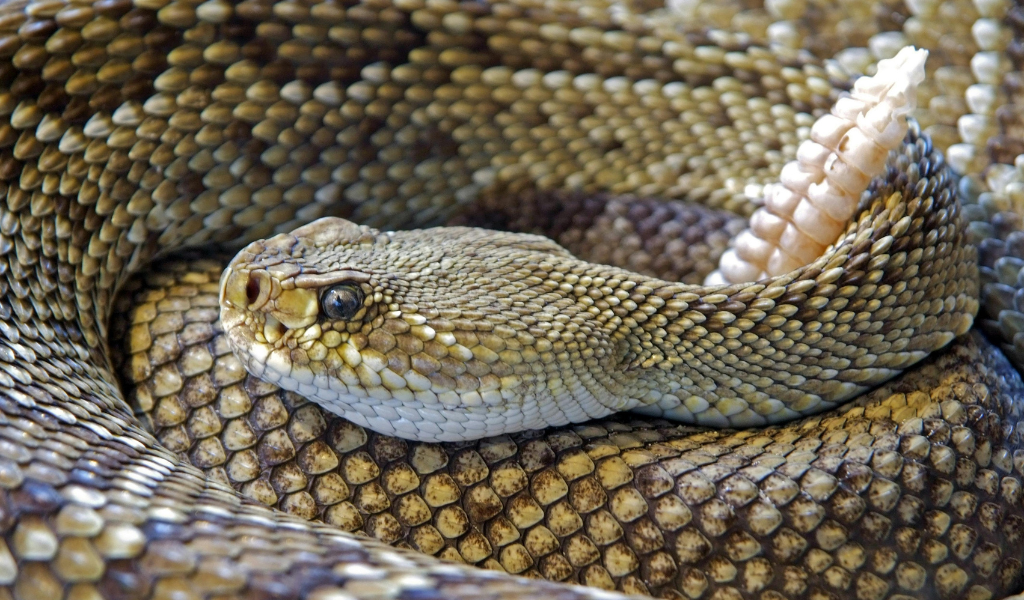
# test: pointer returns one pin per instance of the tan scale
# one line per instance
(456, 333)
(132, 129)
(641, 507)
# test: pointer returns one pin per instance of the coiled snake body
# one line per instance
(131, 129)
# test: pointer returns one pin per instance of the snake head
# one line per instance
(437, 335)
(278, 302)
(272, 287)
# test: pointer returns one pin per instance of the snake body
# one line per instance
(130, 129)
(456, 334)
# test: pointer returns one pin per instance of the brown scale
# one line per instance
(93, 506)
(1007, 145)
(681, 516)
(674, 241)
(640, 506)
(1001, 243)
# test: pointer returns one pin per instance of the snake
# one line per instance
(132, 129)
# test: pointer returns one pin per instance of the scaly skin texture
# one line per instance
(466, 333)
(132, 129)
(644, 506)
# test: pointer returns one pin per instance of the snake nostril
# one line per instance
(252, 289)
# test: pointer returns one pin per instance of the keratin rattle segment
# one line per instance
(818, 193)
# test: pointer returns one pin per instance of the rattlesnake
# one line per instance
(133, 129)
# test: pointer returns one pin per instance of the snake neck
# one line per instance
(877, 302)
(660, 324)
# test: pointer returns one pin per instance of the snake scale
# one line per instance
(131, 129)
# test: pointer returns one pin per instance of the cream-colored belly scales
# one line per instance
(133, 128)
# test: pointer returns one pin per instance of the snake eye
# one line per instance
(341, 302)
